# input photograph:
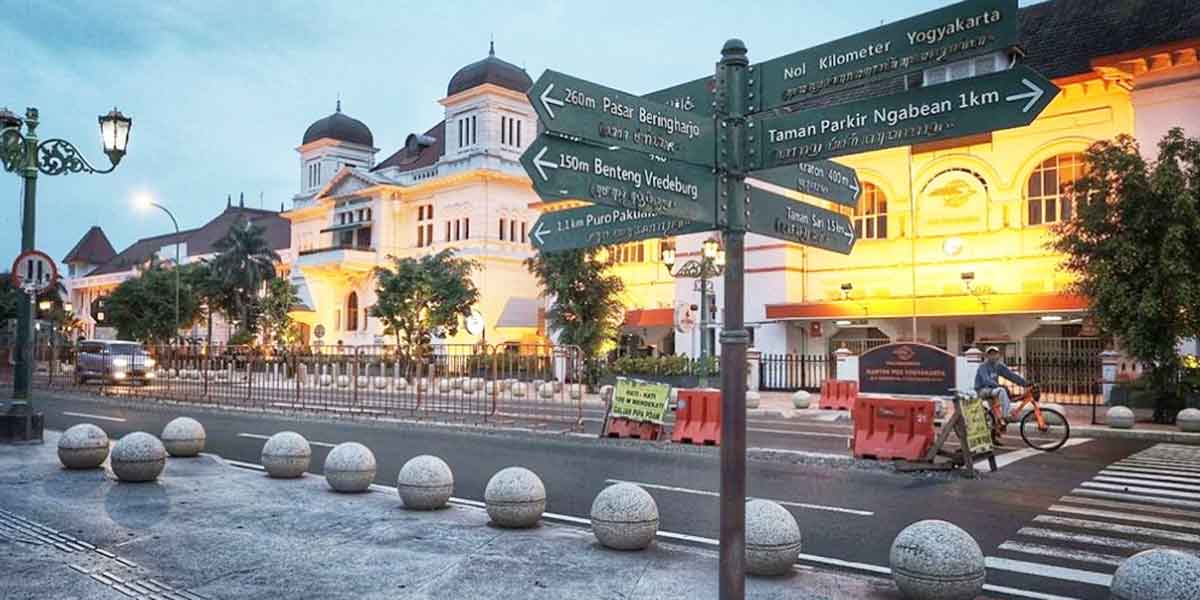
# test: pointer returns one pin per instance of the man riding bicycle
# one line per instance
(987, 384)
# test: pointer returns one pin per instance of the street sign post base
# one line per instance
(21, 425)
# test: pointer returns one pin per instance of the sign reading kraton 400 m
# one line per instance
(960, 108)
(566, 170)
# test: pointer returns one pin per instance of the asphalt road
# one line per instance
(1016, 514)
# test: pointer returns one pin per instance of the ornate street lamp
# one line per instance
(710, 265)
(26, 156)
(146, 202)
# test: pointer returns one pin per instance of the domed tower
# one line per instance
(330, 144)
(486, 110)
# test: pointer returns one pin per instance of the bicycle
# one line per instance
(1042, 429)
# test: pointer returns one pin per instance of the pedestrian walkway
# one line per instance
(1150, 499)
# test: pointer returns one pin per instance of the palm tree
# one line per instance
(244, 262)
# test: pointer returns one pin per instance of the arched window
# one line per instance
(1047, 196)
(352, 312)
(870, 216)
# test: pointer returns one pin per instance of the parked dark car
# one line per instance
(113, 361)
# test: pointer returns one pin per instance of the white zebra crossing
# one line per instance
(1150, 499)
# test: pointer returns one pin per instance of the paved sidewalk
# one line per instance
(208, 530)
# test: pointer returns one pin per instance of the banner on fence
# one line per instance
(639, 400)
(979, 436)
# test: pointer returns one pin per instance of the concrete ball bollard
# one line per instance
(1051, 418)
(489, 387)
(83, 446)
(422, 384)
(1188, 420)
(1157, 574)
(425, 483)
(575, 391)
(936, 560)
(362, 382)
(752, 399)
(606, 394)
(286, 455)
(515, 498)
(518, 389)
(772, 538)
(350, 468)
(343, 381)
(624, 517)
(380, 382)
(547, 391)
(325, 380)
(456, 383)
(1119, 417)
(138, 457)
(801, 400)
(184, 437)
(401, 383)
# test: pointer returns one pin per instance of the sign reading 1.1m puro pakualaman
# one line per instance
(941, 36)
(592, 226)
(1003, 100)
(566, 170)
(576, 108)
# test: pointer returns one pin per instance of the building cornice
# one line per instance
(479, 90)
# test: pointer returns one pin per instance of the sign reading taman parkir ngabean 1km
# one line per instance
(576, 108)
(927, 40)
(566, 170)
(1002, 100)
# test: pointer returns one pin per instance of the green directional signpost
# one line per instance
(823, 179)
(1003, 100)
(592, 226)
(566, 170)
(785, 219)
(576, 108)
(677, 161)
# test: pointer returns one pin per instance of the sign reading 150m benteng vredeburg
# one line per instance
(592, 226)
(565, 170)
(577, 108)
(786, 219)
(1003, 100)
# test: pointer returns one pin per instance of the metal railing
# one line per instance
(791, 372)
(533, 385)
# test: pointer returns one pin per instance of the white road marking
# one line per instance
(1149, 483)
(1155, 500)
(1085, 538)
(1138, 489)
(1008, 458)
(1115, 528)
(259, 436)
(1150, 476)
(808, 433)
(1071, 554)
(1124, 468)
(1124, 516)
(100, 417)
(671, 488)
(999, 589)
(1131, 506)
(837, 562)
(1160, 464)
(1053, 572)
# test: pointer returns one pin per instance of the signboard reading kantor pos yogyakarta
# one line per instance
(906, 368)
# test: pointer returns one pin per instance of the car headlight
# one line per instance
(150, 362)
(120, 362)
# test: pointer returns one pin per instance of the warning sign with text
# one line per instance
(638, 400)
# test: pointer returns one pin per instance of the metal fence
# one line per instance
(538, 386)
(1064, 377)
(791, 372)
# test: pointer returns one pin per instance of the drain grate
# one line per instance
(16, 528)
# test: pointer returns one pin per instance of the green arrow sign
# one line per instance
(1011, 98)
(576, 108)
(927, 40)
(786, 219)
(562, 170)
(694, 97)
(824, 179)
(603, 226)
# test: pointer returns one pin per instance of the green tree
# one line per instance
(244, 262)
(1134, 246)
(586, 308)
(143, 308)
(421, 295)
(276, 319)
(9, 297)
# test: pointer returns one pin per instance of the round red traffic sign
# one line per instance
(34, 271)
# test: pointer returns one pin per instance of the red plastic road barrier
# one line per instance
(888, 428)
(698, 418)
(620, 427)
(838, 394)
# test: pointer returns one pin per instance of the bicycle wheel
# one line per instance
(991, 420)
(1047, 439)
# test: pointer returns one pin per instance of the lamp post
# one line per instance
(144, 202)
(26, 156)
(711, 264)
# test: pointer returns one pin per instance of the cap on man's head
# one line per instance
(991, 349)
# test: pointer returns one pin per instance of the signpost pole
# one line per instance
(23, 376)
(733, 93)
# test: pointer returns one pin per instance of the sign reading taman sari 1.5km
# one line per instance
(576, 108)
(564, 170)
(1003, 100)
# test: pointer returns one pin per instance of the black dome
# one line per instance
(490, 70)
(339, 127)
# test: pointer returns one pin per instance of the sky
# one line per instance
(221, 92)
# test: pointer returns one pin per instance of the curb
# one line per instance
(1149, 435)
